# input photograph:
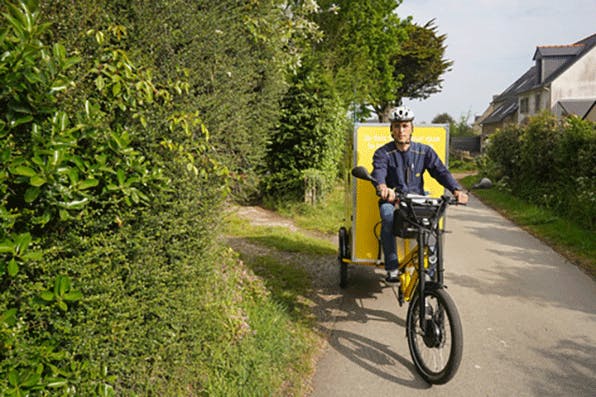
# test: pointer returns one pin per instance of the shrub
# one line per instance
(103, 181)
(548, 162)
(308, 144)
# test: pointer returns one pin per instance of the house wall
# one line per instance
(577, 82)
(534, 105)
(489, 129)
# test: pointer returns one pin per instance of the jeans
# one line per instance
(387, 237)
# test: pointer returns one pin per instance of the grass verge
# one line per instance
(325, 216)
(577, 244)
(285, 340)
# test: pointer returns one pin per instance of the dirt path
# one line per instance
(327, 295)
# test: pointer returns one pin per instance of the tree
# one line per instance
(360, 40)
(420, 64)
(461, 127)
(456, 128)
(376, 58)
(443, 118)
(308, 143)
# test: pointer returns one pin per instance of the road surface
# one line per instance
(529, 320)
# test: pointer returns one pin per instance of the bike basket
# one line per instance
(406, 216)
(401, 224)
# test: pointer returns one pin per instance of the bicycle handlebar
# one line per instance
(361, 172)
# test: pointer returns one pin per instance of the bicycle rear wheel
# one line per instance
(437, 352)
(343, 254)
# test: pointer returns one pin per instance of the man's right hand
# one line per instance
(385, 193)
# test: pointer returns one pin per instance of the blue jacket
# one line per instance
(405, 170)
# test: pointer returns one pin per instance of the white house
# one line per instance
(562, 81)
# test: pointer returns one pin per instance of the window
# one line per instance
(524, 105)
(537, 103)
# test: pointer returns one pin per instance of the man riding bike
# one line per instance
(399, 165)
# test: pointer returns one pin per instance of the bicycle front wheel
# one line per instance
(436, 350)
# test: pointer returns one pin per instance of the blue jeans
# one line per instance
(387, 237)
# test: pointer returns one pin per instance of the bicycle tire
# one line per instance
(342, 254)
(445, 335)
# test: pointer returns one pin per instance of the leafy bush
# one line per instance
(90, 168)
(503, 153)
(548, 162)
(308, 144)
(234, 56)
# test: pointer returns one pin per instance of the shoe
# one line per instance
(392, 276)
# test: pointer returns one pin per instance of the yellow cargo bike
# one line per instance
(433, 326)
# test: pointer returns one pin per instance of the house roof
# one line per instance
(557, 50)
(503, 110)
(580, 107)
(506, 102)
(524, 83)
(576, 51)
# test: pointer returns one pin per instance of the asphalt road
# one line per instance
(529, 320)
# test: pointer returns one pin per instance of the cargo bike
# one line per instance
(433, 327)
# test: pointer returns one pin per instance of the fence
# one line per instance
(470, 144)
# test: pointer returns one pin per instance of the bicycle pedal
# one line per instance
(391, 282)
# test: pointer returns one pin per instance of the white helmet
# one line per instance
(401, 113)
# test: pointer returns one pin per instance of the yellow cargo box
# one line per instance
(362, 210)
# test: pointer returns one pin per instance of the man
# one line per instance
(400, 165)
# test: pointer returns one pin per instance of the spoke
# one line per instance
(434, 358)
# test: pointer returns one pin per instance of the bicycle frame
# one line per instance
(417, 280)
(435, 338)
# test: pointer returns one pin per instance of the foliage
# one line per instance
(83, 156)
(420, 63)
(377, 63)
(461, 128)
(235, 56)
(456, 128)
(308, 142)
(443, 118)
(548, 162)
(462, 164)
(359, 55)
(116, 141)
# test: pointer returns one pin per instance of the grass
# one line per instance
(325, 216)
(280, 238)
(279, 355)
(572, 241)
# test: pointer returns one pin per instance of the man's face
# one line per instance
(401, 131)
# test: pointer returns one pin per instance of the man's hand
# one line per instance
(386, 193)
(461, 196)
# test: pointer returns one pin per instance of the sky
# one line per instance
(492, 43)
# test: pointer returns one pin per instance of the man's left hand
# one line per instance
(461, 196)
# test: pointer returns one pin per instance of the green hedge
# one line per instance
(109, 197)
(307, 145)
(548, 162)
